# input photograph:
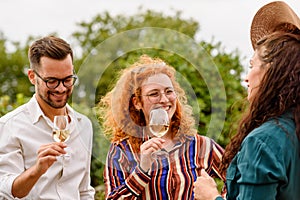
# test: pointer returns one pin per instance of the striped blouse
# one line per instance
(169, 177)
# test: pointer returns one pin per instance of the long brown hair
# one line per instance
(121, 120)
(278, 92)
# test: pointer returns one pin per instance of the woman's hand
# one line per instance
(205, 188)
(147, 148)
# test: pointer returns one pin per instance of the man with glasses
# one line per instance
(32, 165)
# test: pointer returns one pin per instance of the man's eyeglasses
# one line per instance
(155, 96)
(53, 83)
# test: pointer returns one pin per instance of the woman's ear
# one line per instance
(31, 76)
(136, 103)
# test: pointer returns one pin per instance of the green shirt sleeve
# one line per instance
(261, 164)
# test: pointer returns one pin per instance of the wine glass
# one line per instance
(61, 132)
(159, 126)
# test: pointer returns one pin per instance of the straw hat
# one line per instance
(275, 16)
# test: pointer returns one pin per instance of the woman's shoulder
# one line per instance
(276, 128)
(275, 134)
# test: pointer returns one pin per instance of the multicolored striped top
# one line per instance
(169, 177)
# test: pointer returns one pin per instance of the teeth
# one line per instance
(166, 108)
(56, 94)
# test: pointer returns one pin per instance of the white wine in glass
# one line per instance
(61, 132)
(159, 130)
(159, 126)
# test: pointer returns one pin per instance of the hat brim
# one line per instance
(275, 16)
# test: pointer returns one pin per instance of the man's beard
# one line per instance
(54, 104)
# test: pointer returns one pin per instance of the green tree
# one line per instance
(13, 68)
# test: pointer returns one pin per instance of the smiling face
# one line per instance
(157, 92)
(51, 68)
(255, 75)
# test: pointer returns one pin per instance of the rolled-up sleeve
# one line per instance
(11, 160)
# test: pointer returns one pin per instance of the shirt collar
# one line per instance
(36, 112)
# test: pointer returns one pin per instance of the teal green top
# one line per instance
(268, 163)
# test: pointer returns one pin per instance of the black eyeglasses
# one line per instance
(53, 83)
(155, 96)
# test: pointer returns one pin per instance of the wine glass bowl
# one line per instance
(159, 122)
(61, 132)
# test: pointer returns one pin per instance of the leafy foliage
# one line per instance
(12, 69)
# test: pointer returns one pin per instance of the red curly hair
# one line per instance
(121, 120)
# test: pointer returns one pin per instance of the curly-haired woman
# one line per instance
(131, 172)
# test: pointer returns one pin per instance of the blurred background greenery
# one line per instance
(15, 89)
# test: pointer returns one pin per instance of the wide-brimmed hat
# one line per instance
(275, 16)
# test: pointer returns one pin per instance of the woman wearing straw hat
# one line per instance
(262, 161)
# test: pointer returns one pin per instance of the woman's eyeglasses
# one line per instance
(53, 83)
(155, 96)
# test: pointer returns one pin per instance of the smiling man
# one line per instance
(31, 165)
